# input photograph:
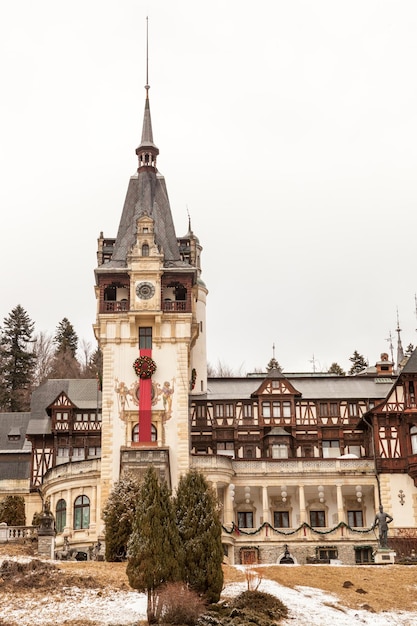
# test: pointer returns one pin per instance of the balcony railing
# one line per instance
(290, 466)
(174, 306)
(114, 306)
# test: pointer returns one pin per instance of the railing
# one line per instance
(17, 533)
(174, 306)
(73, 468)
(113, 306)
(290, 466)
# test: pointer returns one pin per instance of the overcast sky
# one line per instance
(287, 129)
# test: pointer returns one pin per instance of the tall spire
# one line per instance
(400, 351)
(147, 150)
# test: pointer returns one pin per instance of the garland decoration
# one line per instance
(240, 531)
(144, 366)
(193, 378)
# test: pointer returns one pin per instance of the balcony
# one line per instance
(288, 466)
(114, 306)
(175, 306)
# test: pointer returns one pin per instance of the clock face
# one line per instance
(144, 290)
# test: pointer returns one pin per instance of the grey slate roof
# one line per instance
(14, 424)
(146, 195)
(326, 388)
(15, 454)
(411, 366)
(83, 394)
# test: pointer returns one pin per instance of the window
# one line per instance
(279, 451)
(334, 409)
(363, 554)
(356, 450)
(413, 436)
(266, 409)
(412, 393)
(247, 410)
(145, 250)
(281, 519)
(331, 448)
(62, 417)
(230, 410)
(60, 515)
(94, 451)
(81, 512)
(276, 409)
(63, 452)
(325, 554)
(245, 519)
(78, 454)
(355, 518)
(219, 410)
(135, 433)
(286, 409)
(353, 409)
(145, 338)
(323, 409)
(317, 519)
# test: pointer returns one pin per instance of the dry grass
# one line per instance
(383, 588)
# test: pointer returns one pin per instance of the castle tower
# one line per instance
(151, 329)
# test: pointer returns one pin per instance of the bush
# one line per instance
(179, 605)
(260, 602)
(250, 607)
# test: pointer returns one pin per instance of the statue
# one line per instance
(382, 520)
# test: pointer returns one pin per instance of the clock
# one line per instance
(145, 290)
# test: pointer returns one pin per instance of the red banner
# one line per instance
(145, 404)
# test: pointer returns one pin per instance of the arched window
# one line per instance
(145, 250)
(135, 433)
(82, 512)
(60, 515)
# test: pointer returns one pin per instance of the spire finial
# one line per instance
(400, 351)
(147, 59)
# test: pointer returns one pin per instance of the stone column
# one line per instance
(339, 498)
(302, 501)
(265, 504)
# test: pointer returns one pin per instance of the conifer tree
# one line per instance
(154, 555)
(359, 363)
(65, 364)
(12, 511)
(199, 527)
(65, 338)
(17, 360)
(336, 369)
(118, 516)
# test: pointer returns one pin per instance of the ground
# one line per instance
(99, 592)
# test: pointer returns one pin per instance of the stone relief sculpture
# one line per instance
(128, 397)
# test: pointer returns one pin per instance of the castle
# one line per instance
(300, 462)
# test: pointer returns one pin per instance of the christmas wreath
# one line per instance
(144, 366)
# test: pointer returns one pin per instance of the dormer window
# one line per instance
(145, 250)
(14, 434)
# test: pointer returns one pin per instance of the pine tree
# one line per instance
(65, 338)
(154, 555)
(359, 363)
(118, 516)
(199, 527)
(273, 365)
(65, 364)
(17, 360)
(336, 369)
(409, 350)
(12, 511)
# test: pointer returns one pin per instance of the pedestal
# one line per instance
(384, 556)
